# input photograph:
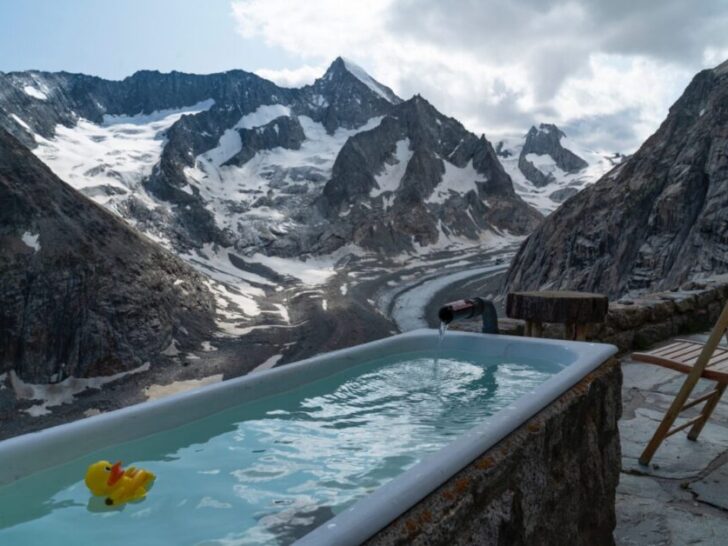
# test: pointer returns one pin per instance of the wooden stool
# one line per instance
(575, 310)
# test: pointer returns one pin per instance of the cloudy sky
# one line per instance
(606, 71)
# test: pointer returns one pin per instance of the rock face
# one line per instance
(418, 176)
(232, 160)
(80, 292)
(655, 221)
(550, 482)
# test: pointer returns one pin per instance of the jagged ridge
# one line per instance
(227, 174)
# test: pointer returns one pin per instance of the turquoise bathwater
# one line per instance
(269, 471)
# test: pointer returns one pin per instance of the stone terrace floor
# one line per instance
(682, 497)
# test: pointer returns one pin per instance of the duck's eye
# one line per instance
(108, 469)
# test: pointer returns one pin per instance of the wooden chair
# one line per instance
(707, 360)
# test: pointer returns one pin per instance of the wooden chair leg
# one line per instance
(582, 330)
(707, 412)
(657, 438)
(667, 421)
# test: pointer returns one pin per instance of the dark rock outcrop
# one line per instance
(501, 150)
(546, 140)
(80, 292)
(563, 194)
(282, 132)
(656, 220)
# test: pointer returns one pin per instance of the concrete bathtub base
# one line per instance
(550, 482)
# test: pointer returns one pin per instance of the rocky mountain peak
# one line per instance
(420, 178)
(346, 97)
(342, 70)
(546, 141)
(547, 128)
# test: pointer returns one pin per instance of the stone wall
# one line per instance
(639, 322)
(550, 482)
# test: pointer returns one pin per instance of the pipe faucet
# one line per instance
(465, 309)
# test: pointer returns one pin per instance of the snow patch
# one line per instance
(460, 180)
(269, 363)
(312, 271)
(118, 154)
(21, 122)
(64, 392)
(34, 92)
(487, 239)
(232, 300)
(31, 240)
(153, 392)
(283, 310)
(360, 74)
(156, 116)
(235, 305)
(215, 262)
(388, 180)
(208, 347)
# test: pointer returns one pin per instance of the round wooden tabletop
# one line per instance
(557, 306)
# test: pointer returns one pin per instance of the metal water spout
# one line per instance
(470, 308)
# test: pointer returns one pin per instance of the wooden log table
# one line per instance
(575, 310)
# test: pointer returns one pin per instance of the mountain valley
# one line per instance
(317, 217)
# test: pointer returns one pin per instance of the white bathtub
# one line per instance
(33, 452)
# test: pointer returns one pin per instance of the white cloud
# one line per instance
(292, 77)
(501, 65)
(312, 29)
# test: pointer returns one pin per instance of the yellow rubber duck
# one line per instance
(116, 484)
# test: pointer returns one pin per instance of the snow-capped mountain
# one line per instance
(547, 167)
(419, 179)
(232, 163)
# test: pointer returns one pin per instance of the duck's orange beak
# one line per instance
(116, 474)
